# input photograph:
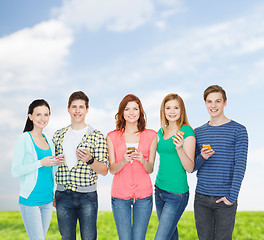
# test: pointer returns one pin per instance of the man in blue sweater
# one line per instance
(220, 169)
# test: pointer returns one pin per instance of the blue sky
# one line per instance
(48, 49)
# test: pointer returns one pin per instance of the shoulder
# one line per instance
(24, 137)
(60, 131)
(237, 125)
(97, 132)
(114, 133)
(238, 128)
(188, 131)
(96, 135)
(149, 132)
(148, 135)
(204, 126)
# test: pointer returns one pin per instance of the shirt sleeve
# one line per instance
(100, 151)
(241, 150)
(24, 161)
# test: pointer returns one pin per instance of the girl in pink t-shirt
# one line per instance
(132, 150)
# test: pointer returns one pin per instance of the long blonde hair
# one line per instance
(183, 118)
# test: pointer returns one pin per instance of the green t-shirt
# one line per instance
(171, 175)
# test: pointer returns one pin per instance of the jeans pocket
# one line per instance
(59, 195)
(198, 196)
(225, 205)
(91, 196)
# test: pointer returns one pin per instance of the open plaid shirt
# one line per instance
(81, 175)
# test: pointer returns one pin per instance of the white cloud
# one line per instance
(199, 51)
(160, 24)
(33, 55)
(115, 15)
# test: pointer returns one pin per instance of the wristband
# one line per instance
(91, 161)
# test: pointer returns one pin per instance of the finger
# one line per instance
(179, 136)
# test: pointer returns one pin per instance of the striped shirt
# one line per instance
(223, 172)
(81, 175)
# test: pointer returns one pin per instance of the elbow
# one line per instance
(111, 170)
(150, 171)
(190, 168)
(14, 173)
(105, 171)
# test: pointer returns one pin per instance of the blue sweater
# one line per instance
(223, 172)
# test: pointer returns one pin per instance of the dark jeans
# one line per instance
(214, 221)
(170, 207)
(71, 206)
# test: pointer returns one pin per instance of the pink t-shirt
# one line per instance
(132, 181)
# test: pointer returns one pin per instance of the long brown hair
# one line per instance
(121, 122)
(183, 118)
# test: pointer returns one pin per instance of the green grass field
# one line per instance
(249, 226)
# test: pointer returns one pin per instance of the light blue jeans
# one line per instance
(170, 207)
(36, 220)
(139, 210)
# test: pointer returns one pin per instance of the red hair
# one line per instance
(121, 122)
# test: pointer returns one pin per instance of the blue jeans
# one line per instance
(36, 220)
(214, 220)
(139, 210)
(170, 207)
(71, 206)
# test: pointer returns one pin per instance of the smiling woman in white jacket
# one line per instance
(35, 165)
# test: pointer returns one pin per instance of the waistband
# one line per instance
(92, 188)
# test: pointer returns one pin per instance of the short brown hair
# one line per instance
(183, 120)
(214, 88)
(78, 95)
(121, 122)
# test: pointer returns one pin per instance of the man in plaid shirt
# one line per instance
(85, 153)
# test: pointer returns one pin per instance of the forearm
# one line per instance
(148, 166)
(117, 167)
(198, 162)
(187, 162)
(23, 169)
(99, 167)
(241, 150)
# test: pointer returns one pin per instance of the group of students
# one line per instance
(77, 153)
